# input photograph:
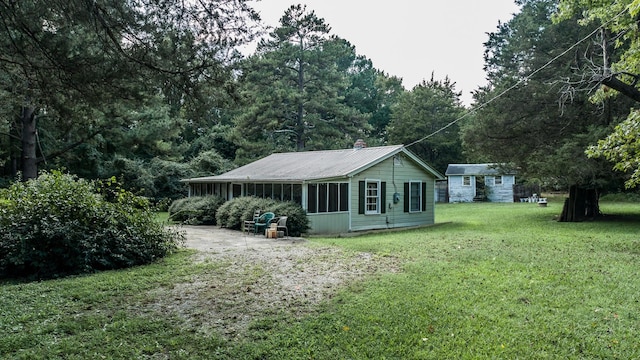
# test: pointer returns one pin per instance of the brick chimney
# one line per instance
(359, 144)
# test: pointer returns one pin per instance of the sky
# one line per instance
(411, 39)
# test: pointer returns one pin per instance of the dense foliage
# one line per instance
(233, 213)
(152, 92)
(293, 90)
(58, 225)
(610, 68)
(155, 91)
(429, 107)
(83, 82)
(532, 122)
(195, 210)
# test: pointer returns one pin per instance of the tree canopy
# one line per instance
(74, 70)
(530, 126)
(612, 67)
(427, 108)
(294, 90)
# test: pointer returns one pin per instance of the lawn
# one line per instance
(489, 281)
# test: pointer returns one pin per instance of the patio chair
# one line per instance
(249, 225)
(282, 225)
(263, 222)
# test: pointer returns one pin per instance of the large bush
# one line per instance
(58, 225)
(196, 210)
(232, 214)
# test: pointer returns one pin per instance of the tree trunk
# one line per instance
(582, 204)
(14, 154)
(29, 160)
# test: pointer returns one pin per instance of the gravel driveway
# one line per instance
(253, 277)
(213, 238)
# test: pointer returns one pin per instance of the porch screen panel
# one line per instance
(297, 194)
(287, 192)
(312, 198)
(333, 197)
(268, 191)
(322, 197)
(277, 191)
(344, 197)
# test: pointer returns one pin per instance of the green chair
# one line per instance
(263, 222)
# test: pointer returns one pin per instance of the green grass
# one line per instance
(491, 281)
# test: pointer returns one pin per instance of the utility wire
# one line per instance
(526, 78)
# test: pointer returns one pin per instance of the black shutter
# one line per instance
(383, 197)
(361, 197)
(424, 196)
(406, 197)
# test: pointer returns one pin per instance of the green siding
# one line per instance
(329, 223)
(394, 175)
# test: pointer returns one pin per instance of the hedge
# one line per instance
(233, 213)
(59, 225)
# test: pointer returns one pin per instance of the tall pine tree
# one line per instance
(293, 90)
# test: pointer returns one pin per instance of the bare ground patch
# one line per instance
(241, 286)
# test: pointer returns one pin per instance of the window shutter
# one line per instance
(406, 197)
(424, 196)
(383, 197)
(361, 197)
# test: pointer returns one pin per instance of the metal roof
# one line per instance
(312, 165)
(476, 169)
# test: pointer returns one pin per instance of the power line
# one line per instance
(526, 78)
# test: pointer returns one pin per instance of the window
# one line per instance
(372, 197)
(466, 181)
(327, 197)
(497, 180)
(415, 196)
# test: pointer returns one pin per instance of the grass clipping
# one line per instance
(245, 288)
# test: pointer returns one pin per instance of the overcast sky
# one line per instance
(411, 38)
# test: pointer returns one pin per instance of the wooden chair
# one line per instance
(249, 225)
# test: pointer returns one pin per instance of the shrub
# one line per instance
(627, 197)
(196, 210)
(58, 225)
(233, 213)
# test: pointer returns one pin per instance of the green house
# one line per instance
(357, 189)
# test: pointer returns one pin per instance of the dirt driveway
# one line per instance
(250, 277)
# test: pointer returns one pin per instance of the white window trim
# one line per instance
(466, 176)
(419, 182)
(367, 197)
